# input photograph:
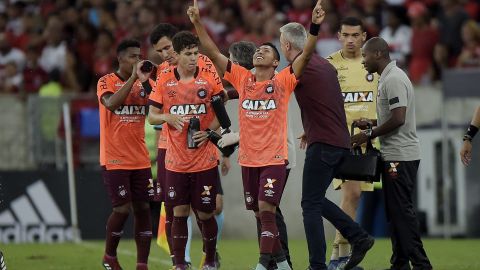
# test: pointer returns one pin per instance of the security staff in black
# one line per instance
(396, 129)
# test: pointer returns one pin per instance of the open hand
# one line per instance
(175, 121)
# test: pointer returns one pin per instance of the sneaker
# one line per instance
(332, 265)
(359, 250)
(217, 260)
(111, 263)
(2, 262)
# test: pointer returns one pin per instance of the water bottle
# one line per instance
(193, 126)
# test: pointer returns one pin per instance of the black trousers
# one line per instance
(399, 178)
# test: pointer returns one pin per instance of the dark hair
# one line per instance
(243, 52)
(162, 30)
(184, 40)
(107, 33)
(275, 51)
(127, 43)
(352, 21)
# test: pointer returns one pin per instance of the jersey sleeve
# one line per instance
(235, 75)
(206, 65)
(397, 93)
(287, 78)
(156, 98)
(103, 87)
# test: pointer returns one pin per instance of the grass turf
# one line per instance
(236, 255)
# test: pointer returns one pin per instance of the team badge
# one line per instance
(122, 191)
(142, 93)
(369, 77)
(171, 94)
(393, 171)
(202, 93)
(270, 182)
(269, 89)
(248, 198)
(172, 193)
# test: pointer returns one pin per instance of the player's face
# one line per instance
(128, 58)
(164, 48)
(188, 59)
(369, 61)
(265, 56)
(352, 38)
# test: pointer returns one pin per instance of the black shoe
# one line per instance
(359, 250)
(2, 262)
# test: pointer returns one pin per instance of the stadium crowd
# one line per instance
(68, 44)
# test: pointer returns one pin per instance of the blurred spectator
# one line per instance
(328, 42)
(104, 55)
(424, 38)
(34, 76)
(470, 55)
(52, 88)
(397, 35)
(301, 12)
(11, 81)
(9, 54)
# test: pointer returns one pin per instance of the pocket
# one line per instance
(331, 156)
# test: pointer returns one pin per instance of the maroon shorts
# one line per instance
(124, 186)
(198, 189)
(263, 184)
(161, 172)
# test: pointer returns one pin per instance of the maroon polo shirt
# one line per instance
(320, 100)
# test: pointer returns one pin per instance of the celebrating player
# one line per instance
(263, 104)
(183, 95)
(123, 97)
(359, 90)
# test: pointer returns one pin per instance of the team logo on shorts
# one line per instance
(122, 191)
(172, 193)
(248, 198)
(393, 169)
(206, 190)
(269, 89)
(202, 93)
(206, 200)
(270, 182)
(150, 183)
(369, 77)
(269, 193)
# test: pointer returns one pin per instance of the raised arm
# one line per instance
(211, 50)
(318, 15)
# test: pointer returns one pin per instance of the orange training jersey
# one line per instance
(205, 64)
(190, 99)
(122, 132)
(262, 114)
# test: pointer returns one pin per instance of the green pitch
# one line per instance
(236, 255)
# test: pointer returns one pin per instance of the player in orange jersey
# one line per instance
(263, 104)
(182, 95)
(123, 153)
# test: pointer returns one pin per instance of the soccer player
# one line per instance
(400, 149)
(466, 151)
(241, 53)
(183, 93)
(322, 109)
(359, 89)
(123, 98)
(161, 40)
(263, 104)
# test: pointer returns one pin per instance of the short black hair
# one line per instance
(352, 21)
(162, 30)
(127, 43)
(275, 50)
(378, 44)
(243, 52)
(184, 40)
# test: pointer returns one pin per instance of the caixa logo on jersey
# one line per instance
(353, 97)
(131, 110)
(34, 216)
(259, 105)
(185, 109)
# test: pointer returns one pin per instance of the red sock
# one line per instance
(269, 232)
(209, 233)
(143, 234)
(179, 237)
(168, 227)
(115, 224)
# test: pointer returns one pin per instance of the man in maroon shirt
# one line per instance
(327, 140)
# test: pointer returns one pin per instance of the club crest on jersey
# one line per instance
(143, 93)
(269, 89)
(352, 97)
(259, 105)
(185, 109)
(202, 93)
(130, 110)
(369, 77)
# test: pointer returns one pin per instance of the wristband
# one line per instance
(314, 29)
(471, 131)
